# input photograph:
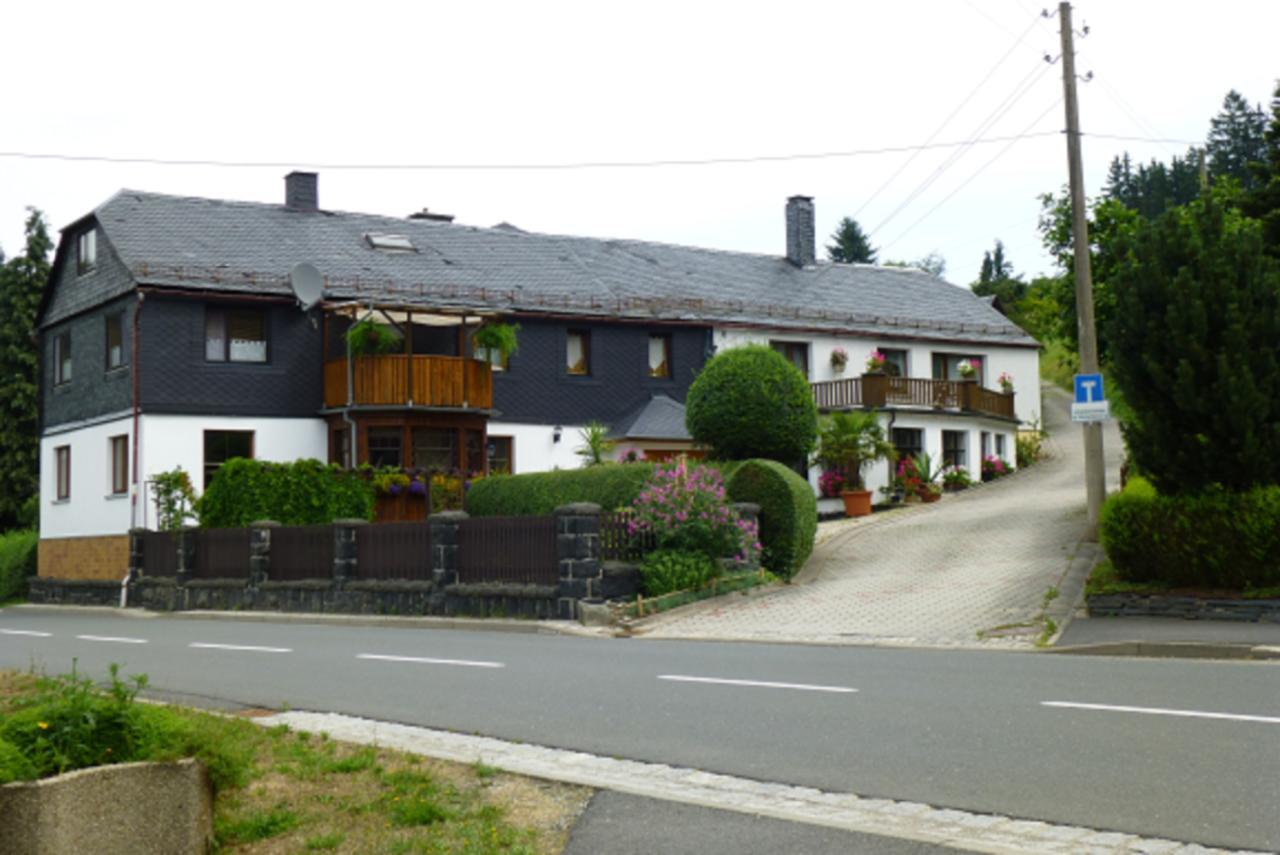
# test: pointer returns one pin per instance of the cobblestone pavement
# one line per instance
(932, 575)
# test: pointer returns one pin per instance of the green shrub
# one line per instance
(667, 570)
(17, 562)
(610, 486)
(788, 512)
(1217, 539)
(686, 507)
(13, 765)
(750, 402)
(305, 492)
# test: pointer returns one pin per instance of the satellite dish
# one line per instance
(307, 284)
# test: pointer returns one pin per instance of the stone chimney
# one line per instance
(800, 238)
(301, 191)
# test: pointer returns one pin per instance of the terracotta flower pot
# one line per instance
(857, 503)
(930, 496)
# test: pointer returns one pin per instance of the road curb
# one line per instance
(1173, 650)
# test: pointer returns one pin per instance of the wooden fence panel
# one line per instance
(159, 553)
(398, 550)
(616, 541)
(222, 553)
(301, 552)
(508, 549)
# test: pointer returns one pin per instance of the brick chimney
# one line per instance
(800, 238)
(301, 191)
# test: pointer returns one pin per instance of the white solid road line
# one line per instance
(249, 647)
(803, 687)
(112, 638)
(1158, 711)
(30, 632)
(466, 663)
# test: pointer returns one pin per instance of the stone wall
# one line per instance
(1187, 608)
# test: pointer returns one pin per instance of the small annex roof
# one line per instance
(661, 418)
(211, 244)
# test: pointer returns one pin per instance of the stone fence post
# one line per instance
(444, 546)
(260, 551)
(578, 551)
(186, 554)
(346, 561)
(750, 511)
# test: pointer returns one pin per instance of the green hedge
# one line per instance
(1210, 540)
(305, 492)
(17, 562)
(610, 486)
(788, 512)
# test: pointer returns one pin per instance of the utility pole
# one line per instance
(1095, 482)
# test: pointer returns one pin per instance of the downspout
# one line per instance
(351, 396)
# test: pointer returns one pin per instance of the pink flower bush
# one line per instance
(686, 508)
(875, 360)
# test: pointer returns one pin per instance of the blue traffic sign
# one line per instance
(1089, 389)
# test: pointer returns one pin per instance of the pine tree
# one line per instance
(1195, 347)
(1264, 201)
(850, 244)
(22, 280)
(1236, 139)
(996, 277)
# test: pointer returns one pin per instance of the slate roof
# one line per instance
(661, 418)
(196, 243)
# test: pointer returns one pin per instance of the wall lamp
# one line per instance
(555, 433)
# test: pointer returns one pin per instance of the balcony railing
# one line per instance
(877, 391)
(398, 380)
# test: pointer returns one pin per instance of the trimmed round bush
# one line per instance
(1217, 539)
(788, 512)
(751, 402)
(610, 486)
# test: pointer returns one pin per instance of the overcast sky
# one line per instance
(556, 83)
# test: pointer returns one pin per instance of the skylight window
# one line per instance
(390, 243)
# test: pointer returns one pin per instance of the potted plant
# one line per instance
(831, 483)
(497, 337)
(927, 474)
(368, 338)
(849, 442)
(1006, 382)
(955, 478)
(876, 362)
(968, 368)
(839, 359)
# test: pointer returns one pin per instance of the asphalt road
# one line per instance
(1188, 750)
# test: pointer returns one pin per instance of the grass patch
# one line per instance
(716, 587)
(286, 791)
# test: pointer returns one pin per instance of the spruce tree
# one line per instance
(1264, 200)
(850, 244)
(22, 280)
(1236, 139)
(1194, 343)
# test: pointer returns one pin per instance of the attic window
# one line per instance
(390, 243)
(87, 251)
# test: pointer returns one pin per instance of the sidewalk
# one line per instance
(1159, 636)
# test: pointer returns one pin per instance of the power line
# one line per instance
(603, 164)
(1022, 88)
(976, 89)
(967, 181)
(1164, 140)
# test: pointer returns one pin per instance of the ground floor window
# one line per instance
(119, 449)
(340, 447)
(501, 453)
(386, 446)
(223, 445)
(433, 448)
(1000, 446)
(986, 445)
(953, 448)
(908, 442)
(62, 459)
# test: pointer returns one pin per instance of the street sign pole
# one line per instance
(1095, 483)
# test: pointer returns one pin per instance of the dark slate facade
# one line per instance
(537, 388)
(75, 292)
(93, 390)
(176, 377)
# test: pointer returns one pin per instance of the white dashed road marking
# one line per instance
(112, 638)
(1158, 711)
(466, 663)
(200, 645)
(803, 687)
(30, 632)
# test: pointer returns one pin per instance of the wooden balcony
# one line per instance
(399, 380)
(880, 391)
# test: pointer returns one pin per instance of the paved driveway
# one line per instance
(932, 575)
